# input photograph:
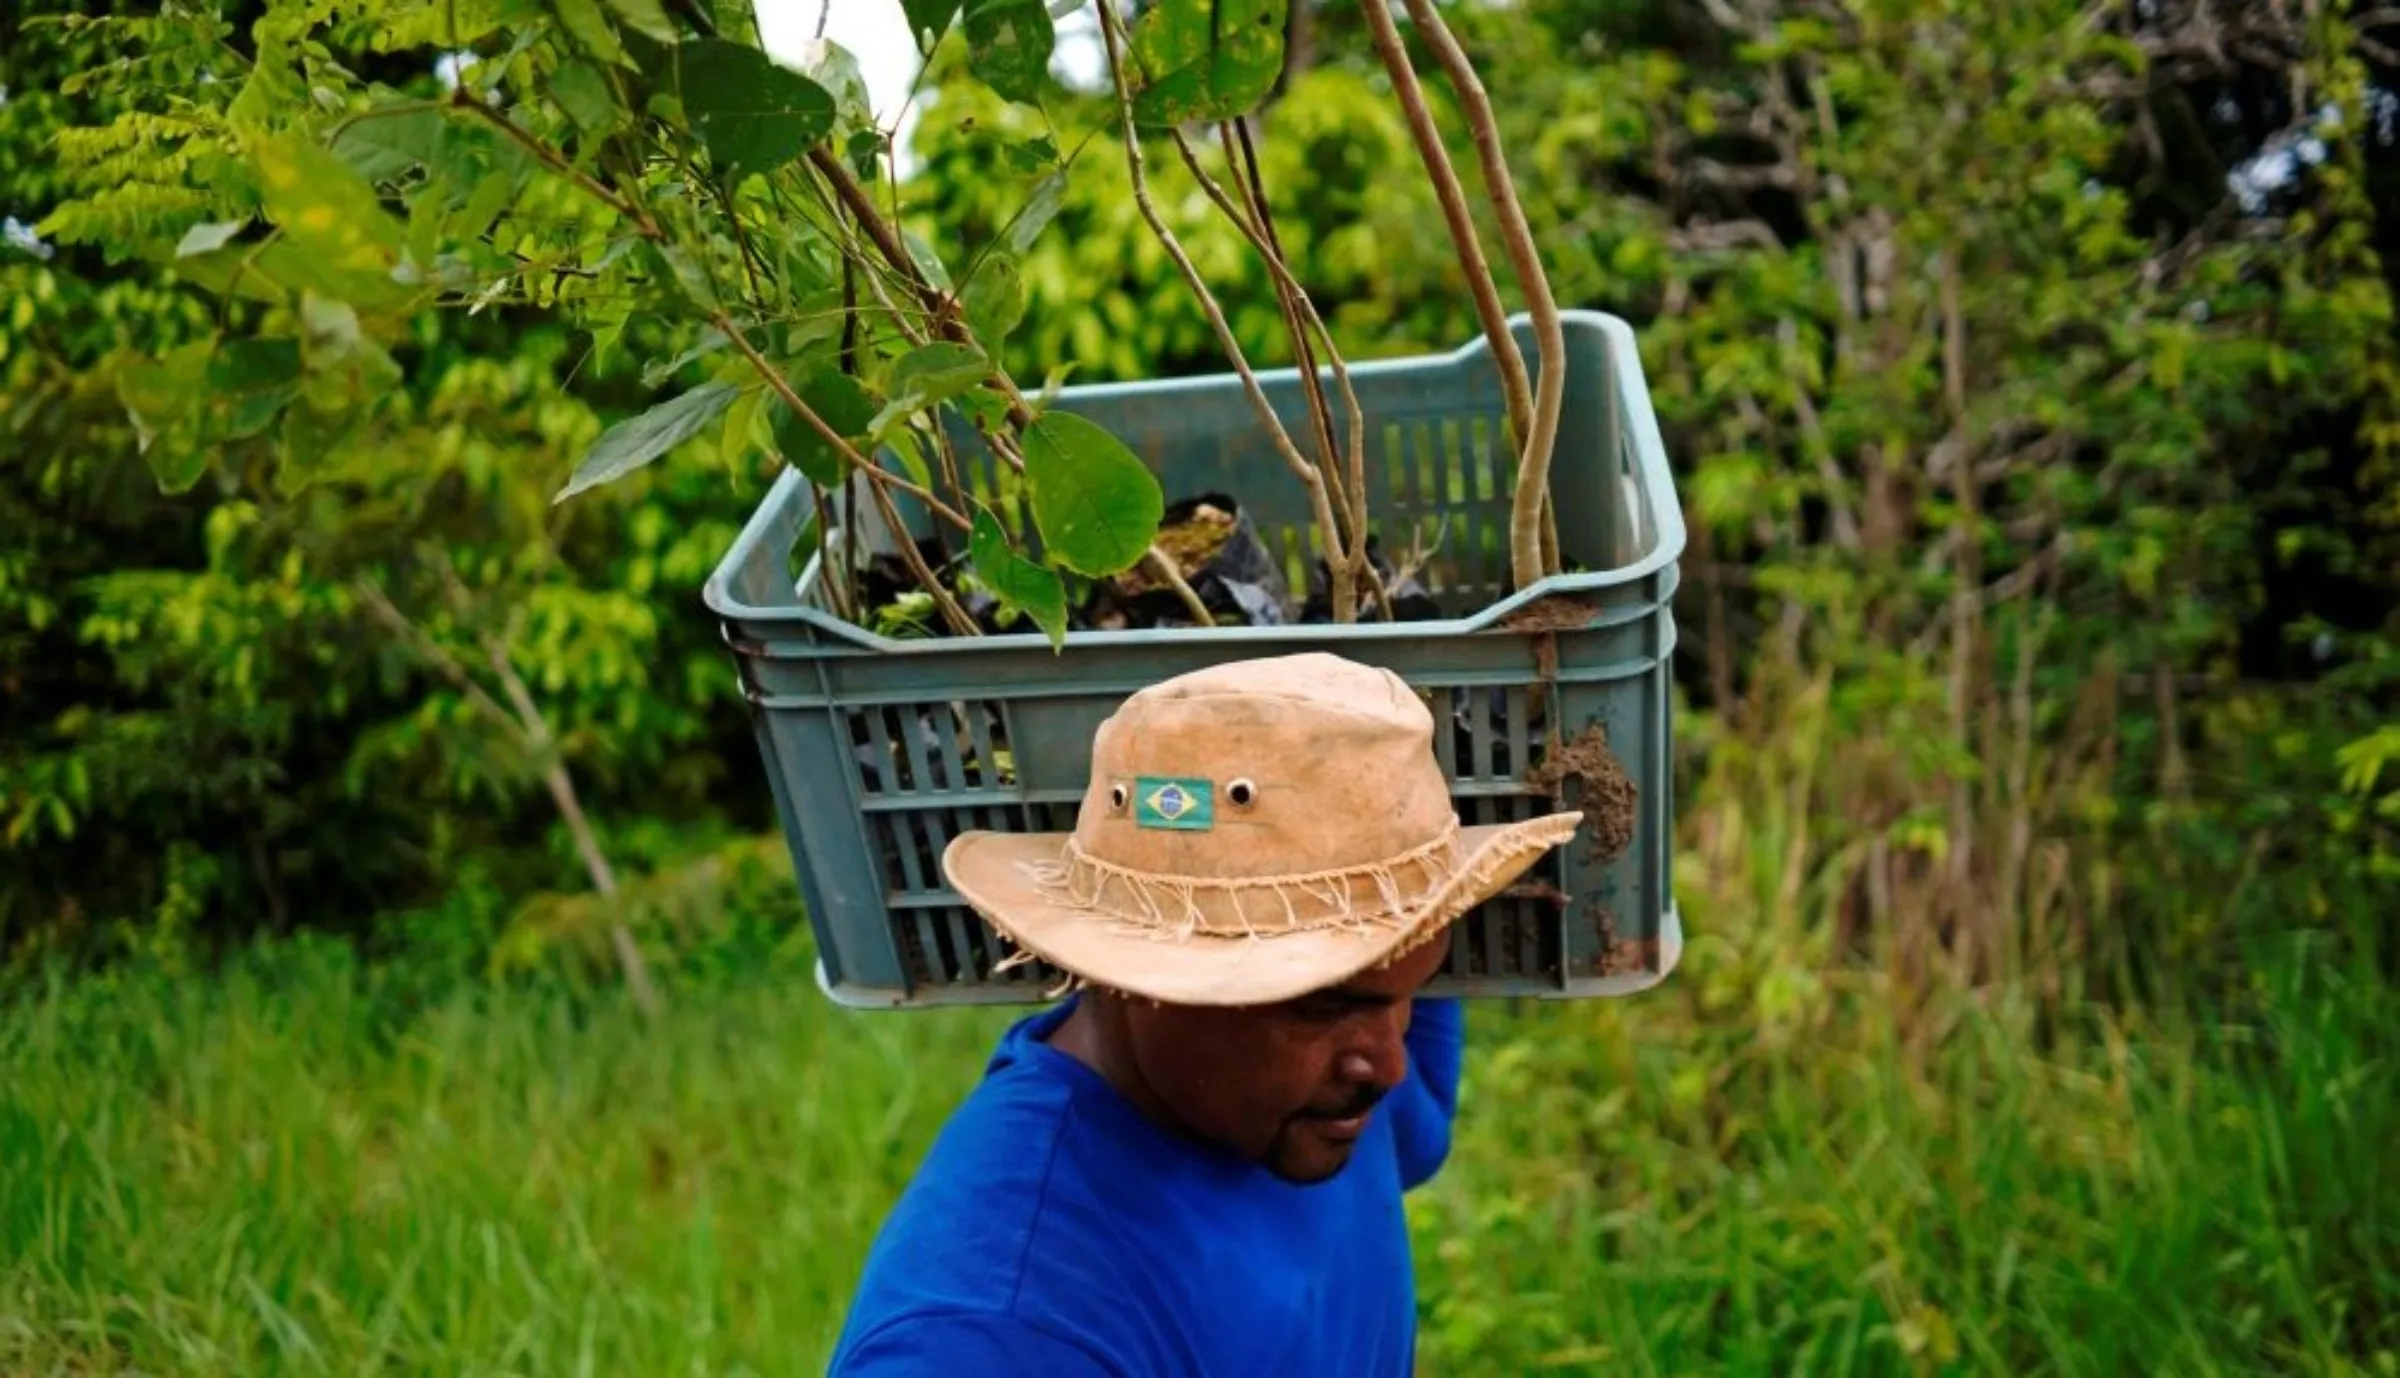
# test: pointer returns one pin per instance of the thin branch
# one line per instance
(951, 612)
(943, 308)
(1344, 595)
(435, 655)
(557, 162)
(1257, 225)
(1164, 564)
(532, 733)
(1549, 397)
(877, 476)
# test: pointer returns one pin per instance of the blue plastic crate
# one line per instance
(881, 750)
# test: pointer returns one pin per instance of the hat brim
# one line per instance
(992, 872)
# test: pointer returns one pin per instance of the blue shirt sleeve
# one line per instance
(1424, 1105)
(949, 1344)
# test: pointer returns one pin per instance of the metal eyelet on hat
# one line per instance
(1242, 793)
(1117, 796)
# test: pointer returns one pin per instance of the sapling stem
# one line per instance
(1541, 438)
(1344, 594)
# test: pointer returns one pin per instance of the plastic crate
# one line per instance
(881, 750)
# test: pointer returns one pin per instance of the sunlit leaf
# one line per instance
(1035, 590)
(1009, 43)
(1191, 72)
(158, 395)
(632, 443)
(202, 239)
(589, 25)
(1097, 507)
(330, 218)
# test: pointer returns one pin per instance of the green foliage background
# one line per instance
(2039, 769)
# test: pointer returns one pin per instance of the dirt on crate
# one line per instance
(1585, 774)
(1625, 956)
(1557, 613)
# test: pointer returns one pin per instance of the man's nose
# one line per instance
(1380, 1057)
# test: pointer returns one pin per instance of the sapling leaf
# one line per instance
(646, 17)
(928, 20)
(1009, 43)
(1097, 506)
(752, 115)
(1206, 60)
(995, 298)
(840, 403)
(1040, 209)
(1017, 582)
(637, 441)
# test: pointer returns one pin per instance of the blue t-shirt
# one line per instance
(1053, 1230)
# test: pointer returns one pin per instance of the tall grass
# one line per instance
(279, 1171)
(275, 1171)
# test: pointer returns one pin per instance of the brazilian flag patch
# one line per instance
(1181, 805)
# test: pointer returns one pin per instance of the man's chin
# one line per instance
(1306, 1159)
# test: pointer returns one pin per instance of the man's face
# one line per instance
(1291, 1085)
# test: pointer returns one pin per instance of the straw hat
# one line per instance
(1251, 832)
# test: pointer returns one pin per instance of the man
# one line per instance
(1195, 1166)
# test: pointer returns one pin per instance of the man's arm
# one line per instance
(954, 1344)
(1423, 1106)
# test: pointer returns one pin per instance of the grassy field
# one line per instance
(310, 1165)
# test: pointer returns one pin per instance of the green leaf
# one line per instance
(842, 404)
(837, 71)
(926, 377)
(1097, 507)
(1032, 155)
(206, 239)
(582, 90)
(1040, 209)
(1008, 46)
(381, 146)
(904, 447)
(158, 395)
(1017, 582)
(646, 17)
(752, 115)
(328, 213)
(928, 20)
(250, 381)
(928, 262)
(309, 441)
(585, 20)
(741, 426)
(630, 444)
(995, 298)
(939, 371)
(655, 373)
(1192, 72)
